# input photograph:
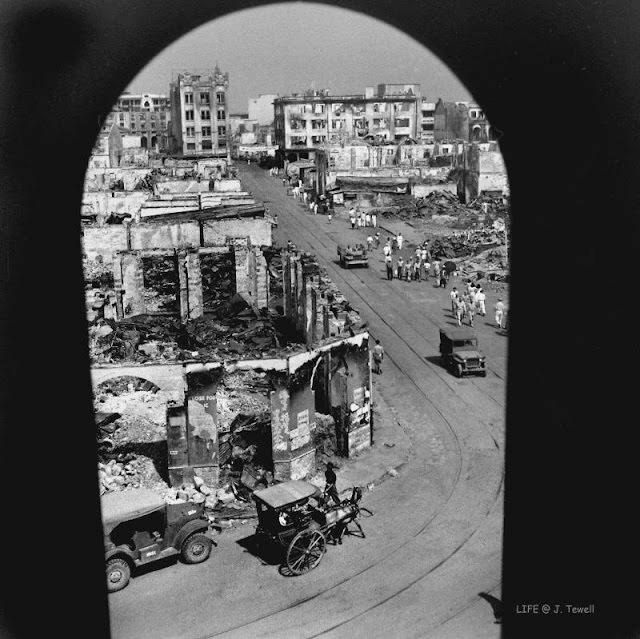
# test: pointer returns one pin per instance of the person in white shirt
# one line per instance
(480, 302)
(499, 308)
(399, 240)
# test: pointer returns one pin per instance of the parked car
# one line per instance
(459, 352)
(353, 256)
(140, 528)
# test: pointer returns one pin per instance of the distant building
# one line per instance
(481, 172)
(145, 115)
(310, 121)
(427, 120)
(461, 121)
(199, 113)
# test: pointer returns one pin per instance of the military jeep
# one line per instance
(140, 528)
(459, 352)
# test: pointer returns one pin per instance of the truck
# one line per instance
(353, 255)
(459, 352)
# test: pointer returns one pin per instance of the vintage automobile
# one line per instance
(353, 256)
(293, 515)
(140, 528)
(459, 352)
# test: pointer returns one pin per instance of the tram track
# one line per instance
(459, 447)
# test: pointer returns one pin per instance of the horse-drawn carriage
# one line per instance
(294, 516)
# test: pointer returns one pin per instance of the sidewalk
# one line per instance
(390, 450)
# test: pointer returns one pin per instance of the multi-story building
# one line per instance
(199, 110)
(304, 123)
(146, 115)
(427, 120)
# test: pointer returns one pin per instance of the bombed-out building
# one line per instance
(247, 344)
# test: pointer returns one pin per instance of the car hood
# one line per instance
(469, 354)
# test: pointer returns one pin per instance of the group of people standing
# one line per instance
(359, 219)
(416, 267)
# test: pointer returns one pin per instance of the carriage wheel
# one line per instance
(305, 551)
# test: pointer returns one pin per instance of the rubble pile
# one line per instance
(236, 330)
(325, 441)
(468, 243)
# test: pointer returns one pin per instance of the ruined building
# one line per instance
(245, 343)
(304, 123)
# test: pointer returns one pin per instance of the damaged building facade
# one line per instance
(304, 123)
(182, 300)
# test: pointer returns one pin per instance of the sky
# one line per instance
(276, 49)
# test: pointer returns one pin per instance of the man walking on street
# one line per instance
(499, 308)
(480, 301)
(378, 356)
(454, 297)
(400, 271)
(330, 490)
(388, 263)
(399, 240)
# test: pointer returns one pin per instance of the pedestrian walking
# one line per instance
(378, 356)
(454, 295)
(386, 249)
(352, 217)
(367, 219)
(369, 242)
(480, 302)
(399, 240)
(374, 220)
(459, 310)
(315, 208)
(377, 239)
(499, 309)
(330, 490)
(436, 269)
(443, 279)
(388, 261)
(470, 312)
(408, 270)
(400, 269)
(304, 197)
(329, 216)
(416, 270)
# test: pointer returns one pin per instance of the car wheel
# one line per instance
(483, 374)
(196, 548)
(459, 370)
(118, 574)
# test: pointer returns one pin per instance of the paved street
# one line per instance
(434, 541)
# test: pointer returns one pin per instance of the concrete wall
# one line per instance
(217, 232)
(104, 203)
(226, 185)
(165, 236)
(109, 239)
(97, 179)
(105, 241)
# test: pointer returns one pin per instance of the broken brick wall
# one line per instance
(350, 386)
(292, 429)
(176, 235)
